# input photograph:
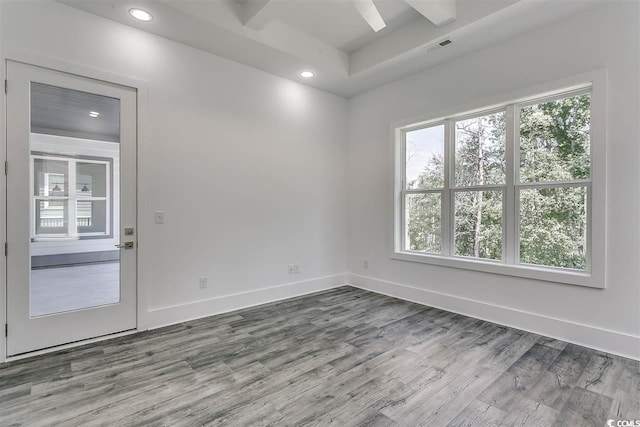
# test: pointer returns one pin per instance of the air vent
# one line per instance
(438, 45)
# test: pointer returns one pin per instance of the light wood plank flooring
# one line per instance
(344, 357)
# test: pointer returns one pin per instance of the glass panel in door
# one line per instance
(74, 159)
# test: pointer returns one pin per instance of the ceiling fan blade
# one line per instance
(369, 12)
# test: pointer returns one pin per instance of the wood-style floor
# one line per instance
(344, 357)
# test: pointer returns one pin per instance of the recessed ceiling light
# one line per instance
(307, 74)
(93, 114)
(140, 15)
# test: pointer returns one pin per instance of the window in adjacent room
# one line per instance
(72, 197)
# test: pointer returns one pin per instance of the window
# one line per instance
(506, 189)
(71, 197)
(554, 181)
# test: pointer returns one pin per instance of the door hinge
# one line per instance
(6, 330)
(5, 85)
(6, 248)
(6, 168)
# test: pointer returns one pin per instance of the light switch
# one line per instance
(159, 217)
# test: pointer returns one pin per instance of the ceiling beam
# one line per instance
(440, 12)
(370, 13)
(258, 13)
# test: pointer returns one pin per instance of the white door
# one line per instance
(71, 208)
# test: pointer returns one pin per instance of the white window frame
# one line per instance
(595, 274)
(47, 175)
(72, 199)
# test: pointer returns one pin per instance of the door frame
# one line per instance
(142, 110)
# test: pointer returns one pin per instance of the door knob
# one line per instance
(127, 245)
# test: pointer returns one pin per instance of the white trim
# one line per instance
(446, 200)
(595, 274)
(491, 110)
(509, 234)
(3, 203)
(180, 313)
(69, 346)
(471, 188)
(556, 275)
(39, 60)
(619, 343)
(614, 342)
(165, 316)
(555, 95)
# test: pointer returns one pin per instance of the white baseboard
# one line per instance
(588, 336)
(613, 342)
(164, 316)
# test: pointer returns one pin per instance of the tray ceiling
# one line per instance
(337, 39)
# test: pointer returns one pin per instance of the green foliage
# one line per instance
(553, 227)
(479, 160)
(554, 140)
(478, 224)
(480, 150)
(554, 146)
(423, 216)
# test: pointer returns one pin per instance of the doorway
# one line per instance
(71, 208)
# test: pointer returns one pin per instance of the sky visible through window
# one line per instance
(422, 146)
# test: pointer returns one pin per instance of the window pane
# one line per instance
(554, 140)
(553, 227)
(91, 180)
(480, 150)
(50, 177)
(478, 224)
(424, 156)
(92, 216)
(51, 217)
(423, 213)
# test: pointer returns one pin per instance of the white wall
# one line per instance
(249, 167)
(606, 37)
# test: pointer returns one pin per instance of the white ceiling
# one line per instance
(332, 37)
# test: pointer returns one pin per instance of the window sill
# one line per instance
(569, 277)
(70, 239)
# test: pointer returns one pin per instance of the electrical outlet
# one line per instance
(203, 282)
(159, 217)
(290, 268)
(296, 268)
(365, 264)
